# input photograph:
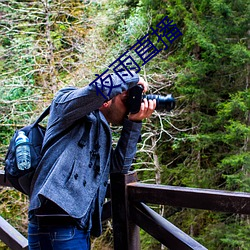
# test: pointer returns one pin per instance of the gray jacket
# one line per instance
(66, 174)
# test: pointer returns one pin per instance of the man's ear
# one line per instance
(105, 105)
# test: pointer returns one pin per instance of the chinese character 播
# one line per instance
(145, 49)
(168, 30)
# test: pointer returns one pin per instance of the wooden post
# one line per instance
(126, 233)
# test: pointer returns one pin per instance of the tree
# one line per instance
(211, 65)
(41, 50)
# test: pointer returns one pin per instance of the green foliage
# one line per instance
(223, 235)
(41, 49)
(14, 208)
(211, 63)
(148, 242)
(203, 143)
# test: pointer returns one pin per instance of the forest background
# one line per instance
(204, 142)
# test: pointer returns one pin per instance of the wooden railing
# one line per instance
(8, 234)
(129, 212)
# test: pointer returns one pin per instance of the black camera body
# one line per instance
(135, 98)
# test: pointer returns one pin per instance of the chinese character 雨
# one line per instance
(123, 67)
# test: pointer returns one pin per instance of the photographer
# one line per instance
(70, 185)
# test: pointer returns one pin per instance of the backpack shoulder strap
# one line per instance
(43, 115)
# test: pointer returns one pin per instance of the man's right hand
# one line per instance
(144, 84)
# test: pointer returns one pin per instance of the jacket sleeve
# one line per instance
(76, 103)
(124, 153)
(71, 104)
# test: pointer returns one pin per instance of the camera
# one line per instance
(135, 97)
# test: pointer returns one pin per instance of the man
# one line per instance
(69, 187)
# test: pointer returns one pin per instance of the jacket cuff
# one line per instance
(132, 125)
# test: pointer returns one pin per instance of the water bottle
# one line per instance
(23, 156)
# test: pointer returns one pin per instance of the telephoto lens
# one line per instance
(135, 98)
(162, 102)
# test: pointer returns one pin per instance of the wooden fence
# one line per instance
(130, 213)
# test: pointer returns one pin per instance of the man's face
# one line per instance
(117, 109)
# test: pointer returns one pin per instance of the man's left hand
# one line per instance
(147, 108)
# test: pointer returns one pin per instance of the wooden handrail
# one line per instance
(11, 237)
(208, 199)
(161, 229)
(134, 193)
(129, 212)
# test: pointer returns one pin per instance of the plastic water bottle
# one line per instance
(23, 156)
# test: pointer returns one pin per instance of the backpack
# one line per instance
(21, 179)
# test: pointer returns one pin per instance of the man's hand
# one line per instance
(144, 84)
(147, 108)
